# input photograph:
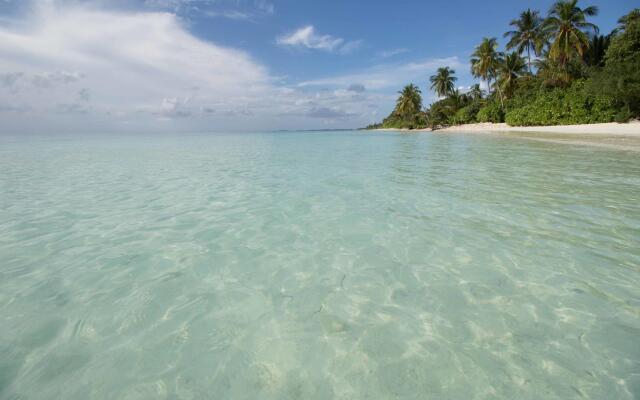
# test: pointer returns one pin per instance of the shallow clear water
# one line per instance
(345, 265)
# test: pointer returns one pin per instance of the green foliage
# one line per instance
(579, 77)
(374, 126)
(526, 88)
(568, 30)
(485, 60)
(555, 75)
(598, 45)
(620, 78)
(457, 108)
(409, 103)
(511, 68)
(467, 114)
(443, 82)
(476, 93)
(623, 116)
(625, 44)
(438, 115)
(528, 34)
(491, 112)
(393, 121)
(626, 20)
(407, 113)
(620, 81)
(573, 105)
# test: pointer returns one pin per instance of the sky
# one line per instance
(235, 65)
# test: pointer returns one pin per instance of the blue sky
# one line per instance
(190, 65)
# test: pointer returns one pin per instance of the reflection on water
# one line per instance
(342, 265)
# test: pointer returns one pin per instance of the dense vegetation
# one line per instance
(555, 70)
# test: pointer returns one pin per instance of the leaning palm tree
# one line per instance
(512, 67)
(409, 102)
(568, 29)
(527, 34)
(485, 60)
(443, 82)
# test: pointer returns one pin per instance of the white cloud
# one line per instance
(265, 6)
(232, 14)
(134, 64)
(70, 67)
(260, 5)
(48, 79)
(240, 11)
(350, 47)
(86, 67)
(306, 37)
(391, 53)
(388, 75)
(356, 87)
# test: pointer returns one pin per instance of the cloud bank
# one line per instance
(132, 64)
(89, 68)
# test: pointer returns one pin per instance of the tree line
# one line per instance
(554, 70)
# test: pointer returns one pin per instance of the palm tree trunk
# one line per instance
(500, 95)
(529, 56)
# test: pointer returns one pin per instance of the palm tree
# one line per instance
(455, 101)
(598, 45)
(485, 60)
(475, 93)
(409, 102)
(512, 67)
(443, 82)
(551, 72)
(527, 35)
(626, 20)
(568, 29)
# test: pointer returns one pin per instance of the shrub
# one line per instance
(623, 116)
(491, 112)
(570, 106)
(467, 114)
(620, 78)
(395, 121)
(527, 88)
(438, 115)
(624, 45)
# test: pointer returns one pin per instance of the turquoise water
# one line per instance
(333, 265)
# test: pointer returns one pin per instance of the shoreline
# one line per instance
(611, 128)
(611, 135)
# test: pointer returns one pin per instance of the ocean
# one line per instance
(317, 265)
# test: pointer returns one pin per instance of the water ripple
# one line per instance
(339, 265)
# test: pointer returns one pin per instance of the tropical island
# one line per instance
(557, 70)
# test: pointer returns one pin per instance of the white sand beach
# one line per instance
(631, 128)
(610, 135)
